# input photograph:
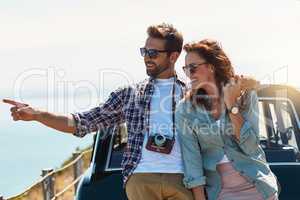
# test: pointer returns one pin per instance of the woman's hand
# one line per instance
(248, 83)
(235, 88)
(198, 193)
(232, 91)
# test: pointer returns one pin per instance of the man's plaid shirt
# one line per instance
(130, 105)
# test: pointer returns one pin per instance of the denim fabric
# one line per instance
(204, 143)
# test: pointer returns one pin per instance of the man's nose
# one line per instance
(146, 58)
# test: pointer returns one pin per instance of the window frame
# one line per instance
(107, 168)
(294, 118)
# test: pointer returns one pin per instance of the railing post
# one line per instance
(78, 167)
(48, 187)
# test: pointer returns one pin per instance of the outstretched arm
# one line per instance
(24, 112)
(108, 114)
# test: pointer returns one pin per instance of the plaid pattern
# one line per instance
(130, 105)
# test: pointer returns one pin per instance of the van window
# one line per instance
(283, 122)
(117, 146)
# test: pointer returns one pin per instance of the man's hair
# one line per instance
(167, 32)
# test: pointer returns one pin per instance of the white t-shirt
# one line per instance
(161, 122)
(225, 158)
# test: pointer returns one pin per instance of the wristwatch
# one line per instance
(234, 109)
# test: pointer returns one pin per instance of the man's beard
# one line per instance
(157, 69)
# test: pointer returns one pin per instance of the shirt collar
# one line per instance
(152, 79)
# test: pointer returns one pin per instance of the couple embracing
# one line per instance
(200, 142)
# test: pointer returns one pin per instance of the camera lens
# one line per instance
(160, 137)
(159, 140)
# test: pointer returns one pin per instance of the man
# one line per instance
(152, 163)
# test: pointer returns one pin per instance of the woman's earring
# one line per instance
(211, 69)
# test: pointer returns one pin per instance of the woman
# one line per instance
(217, 123)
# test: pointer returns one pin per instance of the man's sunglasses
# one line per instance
(151, 53)
(191, 68)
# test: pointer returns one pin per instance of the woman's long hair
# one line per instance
(213, 54)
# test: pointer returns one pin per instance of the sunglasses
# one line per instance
(151, 53)
(191, 68)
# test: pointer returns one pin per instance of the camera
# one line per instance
(160, 143)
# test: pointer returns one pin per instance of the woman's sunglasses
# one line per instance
(151, 53)
(191, 68)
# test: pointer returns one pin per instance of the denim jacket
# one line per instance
(204, 143)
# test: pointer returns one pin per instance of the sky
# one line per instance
(71, 49)
(86, 48)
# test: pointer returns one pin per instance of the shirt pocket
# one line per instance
(209, 135)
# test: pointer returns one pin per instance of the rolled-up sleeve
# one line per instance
(192, 159)
(249, 132)
(105, 115)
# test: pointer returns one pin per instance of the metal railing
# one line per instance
(59, 184)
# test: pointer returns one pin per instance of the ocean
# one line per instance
(28, 147)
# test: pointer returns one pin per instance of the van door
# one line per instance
(280, 141)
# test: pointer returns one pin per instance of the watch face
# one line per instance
(234, 110)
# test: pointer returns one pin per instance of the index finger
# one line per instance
(14, 103)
